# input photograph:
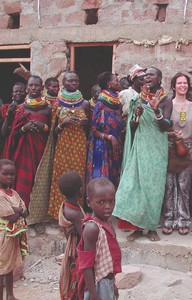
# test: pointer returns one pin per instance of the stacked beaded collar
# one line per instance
(145, 94)
(109, 97)
(35, 102)
(70, 99)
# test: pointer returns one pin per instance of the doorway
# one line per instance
(89, 60)
(10, 58)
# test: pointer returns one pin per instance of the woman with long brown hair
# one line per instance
(177, 193)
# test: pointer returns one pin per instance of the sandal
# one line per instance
(183, 230)
(167, 230)
(135, 235)
(153, 236)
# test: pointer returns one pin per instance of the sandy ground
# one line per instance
(41, 283)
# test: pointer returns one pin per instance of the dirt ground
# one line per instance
(41, 278)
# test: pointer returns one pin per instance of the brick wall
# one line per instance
(137, 25)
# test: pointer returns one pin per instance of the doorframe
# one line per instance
(83, 45)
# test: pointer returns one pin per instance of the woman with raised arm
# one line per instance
(140, 193)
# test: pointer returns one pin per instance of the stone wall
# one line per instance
(148, 32)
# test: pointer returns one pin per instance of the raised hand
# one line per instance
(154, 102)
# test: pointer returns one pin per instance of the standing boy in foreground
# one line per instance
(99, 255)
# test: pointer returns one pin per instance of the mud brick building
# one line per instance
(89, 36)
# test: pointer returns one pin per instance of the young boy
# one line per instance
(99, 255)
(70, 217)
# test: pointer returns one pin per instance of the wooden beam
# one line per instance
(14, 47)
(14, 60)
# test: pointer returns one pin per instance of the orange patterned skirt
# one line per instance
(70, 155)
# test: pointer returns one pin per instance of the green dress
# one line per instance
(140, 193)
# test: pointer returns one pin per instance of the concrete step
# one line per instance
(173, 252)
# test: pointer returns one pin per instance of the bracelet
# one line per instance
(157, 111)
(109, 137)
(46, 128)
(23, 210)
(22, 129)
(59, 128)
(159, 118)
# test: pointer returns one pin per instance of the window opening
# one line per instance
(91, 16)
(14, 21)
(161, 12)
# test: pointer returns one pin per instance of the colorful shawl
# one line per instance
(101, 160)
(140, 193)
(25, 150)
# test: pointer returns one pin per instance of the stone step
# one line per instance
(173, 252)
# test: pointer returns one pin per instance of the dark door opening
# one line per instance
(9, 61)
(89, 62)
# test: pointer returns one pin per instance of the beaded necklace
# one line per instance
(146, 95)
(35, 102)
(92, 102)
(70, 100)
(109, 97)
(49, 99)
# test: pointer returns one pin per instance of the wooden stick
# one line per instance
(33, 265)
(23, 67)
(138, 117)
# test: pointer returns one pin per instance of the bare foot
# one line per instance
(153, 236)
(135, 235)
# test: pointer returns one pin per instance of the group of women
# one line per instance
(132, 138)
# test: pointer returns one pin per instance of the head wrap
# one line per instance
(136, 70)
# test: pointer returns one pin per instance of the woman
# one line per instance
(71, 128)
(140, 193)
(177, 192)
(105, 148)
(27, 137)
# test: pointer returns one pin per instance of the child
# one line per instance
(95, 91)
(70, 217)
(52, 89)
(99, 255)
(12, 227)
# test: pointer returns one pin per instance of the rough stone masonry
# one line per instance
(147, 32)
